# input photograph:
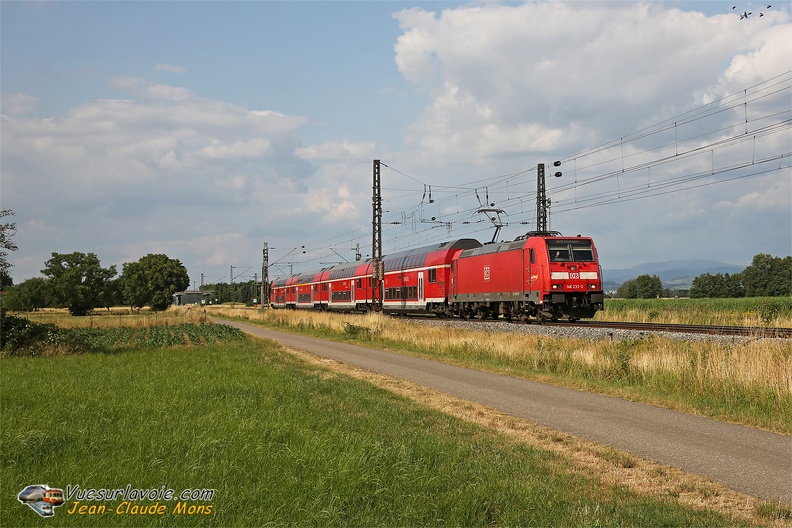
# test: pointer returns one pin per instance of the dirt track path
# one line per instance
(756, 462)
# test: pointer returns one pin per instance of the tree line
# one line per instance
(766, 276)
(78, 282)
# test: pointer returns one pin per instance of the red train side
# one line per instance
(545, 276)
(417, 280)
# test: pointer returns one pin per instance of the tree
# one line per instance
(642, 287)
(717, 286)
(649, 287)
(78, 281)
(153, 280)
(31, 294)
(768, 276)
(7, 230)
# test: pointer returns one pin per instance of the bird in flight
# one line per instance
(746, 14)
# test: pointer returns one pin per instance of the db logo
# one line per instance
(574, 275)
(486, 273)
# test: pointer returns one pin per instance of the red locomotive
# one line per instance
(540, 275)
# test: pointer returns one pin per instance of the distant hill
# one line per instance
(674, 274)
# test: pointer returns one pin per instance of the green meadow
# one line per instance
(278, 442)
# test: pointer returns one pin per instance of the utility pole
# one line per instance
(541, 199)
(377, 268)
(265, 300)
(542, 203)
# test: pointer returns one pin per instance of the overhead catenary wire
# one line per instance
(731, 126)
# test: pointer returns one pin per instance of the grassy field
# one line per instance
(743, 381)
(748, 311)
(278, 442)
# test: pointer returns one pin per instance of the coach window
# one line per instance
(432, 274)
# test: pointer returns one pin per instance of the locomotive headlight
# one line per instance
(557, 286)
(592, 286)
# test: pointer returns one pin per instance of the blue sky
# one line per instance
(203, 129)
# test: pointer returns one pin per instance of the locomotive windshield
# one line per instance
(570, 250)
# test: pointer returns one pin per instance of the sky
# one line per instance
(203, 130)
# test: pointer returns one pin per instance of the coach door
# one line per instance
(420, 286)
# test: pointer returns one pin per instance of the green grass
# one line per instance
(281, 443)
(745, 311)
(702, 378)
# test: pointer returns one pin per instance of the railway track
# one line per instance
(743, 331)
(749, 331)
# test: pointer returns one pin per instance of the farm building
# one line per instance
(191, 297)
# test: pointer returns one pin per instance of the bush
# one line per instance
(22, 337)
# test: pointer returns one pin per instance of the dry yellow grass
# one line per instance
(114, 317)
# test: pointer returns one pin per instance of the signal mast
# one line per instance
(542, 203)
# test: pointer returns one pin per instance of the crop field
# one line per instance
(241, 433)
(748, 311)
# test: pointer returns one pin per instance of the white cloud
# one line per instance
(148, 164)
(170, 68)
(17, 104)
(338, 150)
(148, 167)
(556, 75)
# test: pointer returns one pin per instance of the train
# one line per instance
(541, 276)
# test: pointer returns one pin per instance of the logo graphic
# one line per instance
(486, 273)
(42, 499)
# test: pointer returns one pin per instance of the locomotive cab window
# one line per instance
(558, 250)
(582, 251)
(570, 250)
